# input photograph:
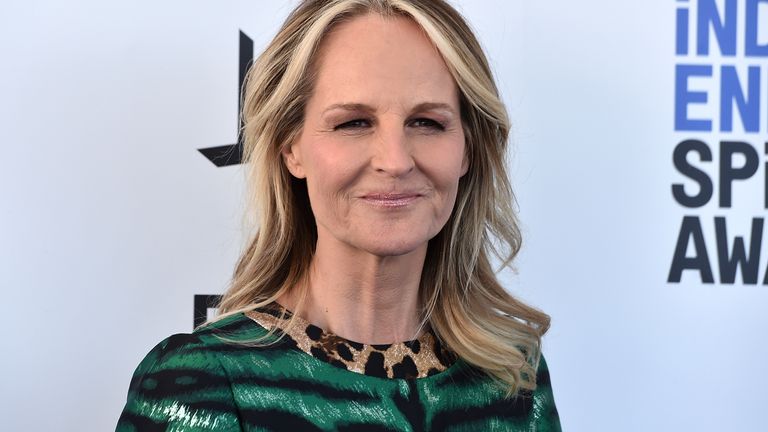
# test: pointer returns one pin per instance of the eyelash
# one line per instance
(357, 124)
(352, 124)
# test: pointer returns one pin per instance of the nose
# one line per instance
(392, 154)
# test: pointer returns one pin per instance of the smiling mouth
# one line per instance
(391, 200)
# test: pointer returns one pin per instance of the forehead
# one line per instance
(383, 58)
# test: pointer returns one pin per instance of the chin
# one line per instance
(393, 247)
(390, 252)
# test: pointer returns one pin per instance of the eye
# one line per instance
(353, 124)
(427, 123)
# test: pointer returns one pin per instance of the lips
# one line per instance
(391, 199)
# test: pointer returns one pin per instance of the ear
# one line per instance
(292, 159)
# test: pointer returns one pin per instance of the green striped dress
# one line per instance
(313, 380)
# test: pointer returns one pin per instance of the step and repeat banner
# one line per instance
(639, 157)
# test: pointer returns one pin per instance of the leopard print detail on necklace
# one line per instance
(417, 358)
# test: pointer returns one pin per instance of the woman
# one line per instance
(375, 140)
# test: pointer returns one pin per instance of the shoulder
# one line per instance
(203, 350)
(190, 349)
(237, 325)
(543, 378)
(544, 410)
(181, 381)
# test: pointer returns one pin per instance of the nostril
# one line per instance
(393, 157)
(395, 168)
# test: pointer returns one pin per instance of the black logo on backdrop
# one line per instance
(203, 302)
(221, 156)
(232, 154)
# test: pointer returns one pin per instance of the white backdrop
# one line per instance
(111, 220)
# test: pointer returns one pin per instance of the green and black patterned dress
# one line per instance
(313, 380)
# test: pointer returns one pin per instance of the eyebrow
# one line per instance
(424, 106)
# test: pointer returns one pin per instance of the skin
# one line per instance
(382, 150)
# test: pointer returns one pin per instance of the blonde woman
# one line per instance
(366, 300)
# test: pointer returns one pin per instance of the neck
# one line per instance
(363, 297)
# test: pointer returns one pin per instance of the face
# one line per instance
(382, 147)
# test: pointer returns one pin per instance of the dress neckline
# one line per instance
(412, 359)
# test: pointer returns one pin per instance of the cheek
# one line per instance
(446, 166)
(328, 205)
(454, 167)
(329, 176)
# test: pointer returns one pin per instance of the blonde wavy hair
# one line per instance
(460, 296)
